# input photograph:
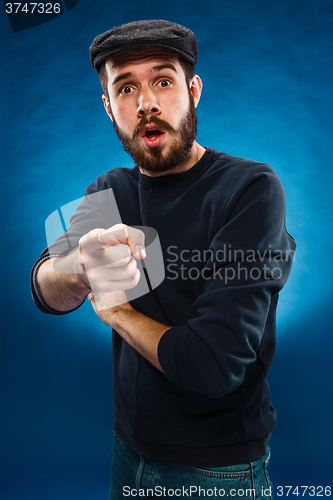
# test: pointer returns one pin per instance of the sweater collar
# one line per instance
(177, 179)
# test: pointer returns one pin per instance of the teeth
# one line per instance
(153, 133)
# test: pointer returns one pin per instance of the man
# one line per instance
(190, 358)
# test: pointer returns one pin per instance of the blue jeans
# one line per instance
(136, 476)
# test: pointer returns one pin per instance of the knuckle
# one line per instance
(134, 280)
(122, 254)
(94, 232)
(82, 240)
(136, 232)
(131, 268)
(137, 277)
(86, 238)
(117, 227)
(126, 272)
(123, 261)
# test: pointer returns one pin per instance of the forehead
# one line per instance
(140, 57)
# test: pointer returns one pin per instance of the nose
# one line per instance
(148, 103)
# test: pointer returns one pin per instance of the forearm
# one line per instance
(139, 331)
(61, 285)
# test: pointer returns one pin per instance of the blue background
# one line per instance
(267, 73)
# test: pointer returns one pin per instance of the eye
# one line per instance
(127, 89)
(164, 83)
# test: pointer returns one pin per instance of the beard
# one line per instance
(154, 160)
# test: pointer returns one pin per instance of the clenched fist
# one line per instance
(108, 258)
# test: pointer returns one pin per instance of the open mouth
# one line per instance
(152, 135)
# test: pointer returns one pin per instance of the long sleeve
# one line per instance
(98, 208)
(251, 257)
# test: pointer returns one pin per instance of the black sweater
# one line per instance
(227, 254)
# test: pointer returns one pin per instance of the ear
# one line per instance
(107, 106)
(195, 88)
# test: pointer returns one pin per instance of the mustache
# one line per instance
(145, 120)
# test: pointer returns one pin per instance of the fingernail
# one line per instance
(139, 249)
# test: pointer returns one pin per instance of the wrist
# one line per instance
(76, 275)
(81, 280)
(122, 317)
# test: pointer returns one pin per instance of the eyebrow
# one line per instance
(165, 66)
(155, 69)
(124, 76)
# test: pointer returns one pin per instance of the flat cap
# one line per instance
(139, 34)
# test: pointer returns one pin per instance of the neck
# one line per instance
(195, 154)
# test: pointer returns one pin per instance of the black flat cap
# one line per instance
(139, 34)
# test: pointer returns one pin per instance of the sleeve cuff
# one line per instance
(162, 352)
(36, 296)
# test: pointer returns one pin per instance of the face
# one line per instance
(152, 108)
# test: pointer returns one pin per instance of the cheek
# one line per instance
(177, 108)
(125, 117)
